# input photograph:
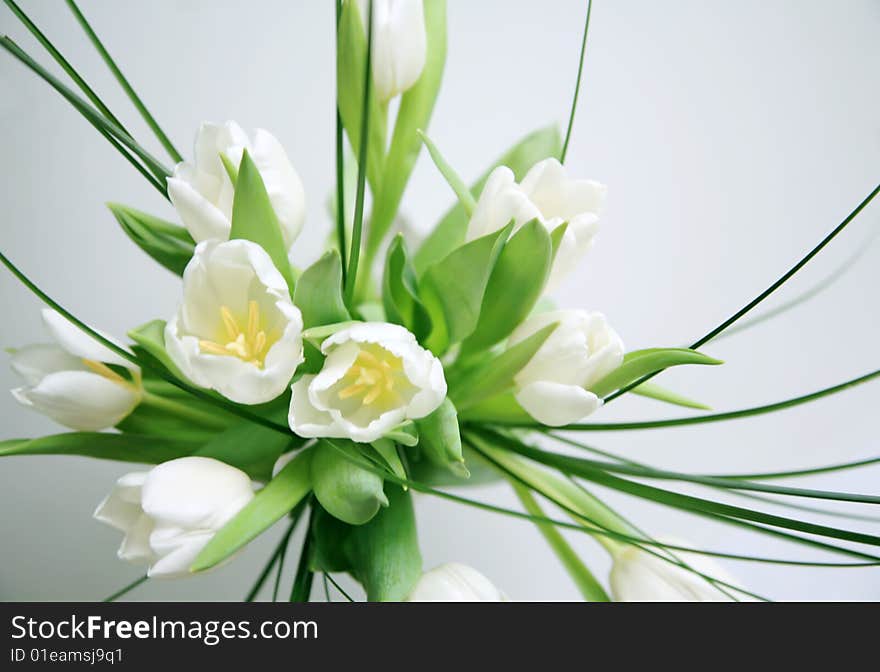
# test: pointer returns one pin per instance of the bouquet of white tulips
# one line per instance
(328, 396)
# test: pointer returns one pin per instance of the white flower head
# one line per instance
(169, 514)
(548, 194)
(454, 582)
(399, 44)
(637, 576)
(69, 380)
(375, 376)
(203, 194)
(236, 331)
(553, 387)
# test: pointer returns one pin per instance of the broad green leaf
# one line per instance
(481, 472)
(351, 62)
(465, 198)
(414, 113)
(345, 490)
(269, 505)
(317, 335)
(440, 441)
(644, 362)
(166, 243)
(400, 292)
(450, 231)
(122, 447)
(150, 420)
(496, 376)
(249, 447)
(318, 293)
(253, 217)
(151, 337)
(654, 391)
(452, 289)
(514, 287)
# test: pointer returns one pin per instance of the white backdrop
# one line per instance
(732, 137)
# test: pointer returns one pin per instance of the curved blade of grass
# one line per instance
(122, 591)
(58, 57)
(123, 82)
(577, 86)
(273, 559)
(583, 578)
(340, 165)
(827, 282)
(712, 417)
(101, 123)
(338, 587)
(233, 408)
(461, 190)
(767, 292)
(301, 589)
(653, 391)
(358, 226)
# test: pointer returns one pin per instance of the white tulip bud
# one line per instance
(454, 582)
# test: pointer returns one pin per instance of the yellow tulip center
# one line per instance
(245, 339)
(371, 377)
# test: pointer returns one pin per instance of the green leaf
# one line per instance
(465, 198)
(166, 243)
(346, 491)
(583, 578)
(416, 106)
(450, 232)
(319, 292)
(269, 505)
(122, 447)
(440, 441)
(452, 289)
(405, 433)
(502, 408)
(514, 287)
(497, 375)
(645, 362)
(249, 447)
(151, 337)
(388, 452)
(253, 217)
(400, 296)
(351, 62)
(654, 391)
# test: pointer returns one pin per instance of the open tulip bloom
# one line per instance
(385, 369)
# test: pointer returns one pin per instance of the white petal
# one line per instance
(135, 545)
(195, 493)
(122, 507)
(79, 400)
(501, 201)
(78, 343)
(555, 404)
(202, 219)
(175, 552)
(454, 582)
(304, 418)
(33, 362)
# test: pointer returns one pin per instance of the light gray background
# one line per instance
(732, 136)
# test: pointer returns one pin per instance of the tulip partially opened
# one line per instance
(454, 582)
(237, 330)
(375, 376)
(70, 380)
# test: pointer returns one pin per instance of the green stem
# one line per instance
(122, 591)
(590, 588)
(340, 167)
(123, 82)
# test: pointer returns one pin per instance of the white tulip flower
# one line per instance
(169, 514)
(399, 44)
(237, 330)
(454, 582)
(637, 576)
(375, 376)
(70, 382)
(553, 387)
(549, 195)
(202, 191)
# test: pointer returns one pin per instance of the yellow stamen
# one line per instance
(371, 377)
(249, 344)
(229, 322)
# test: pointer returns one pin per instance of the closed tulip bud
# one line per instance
(169, 514)
(553, 387)
(454, 582)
